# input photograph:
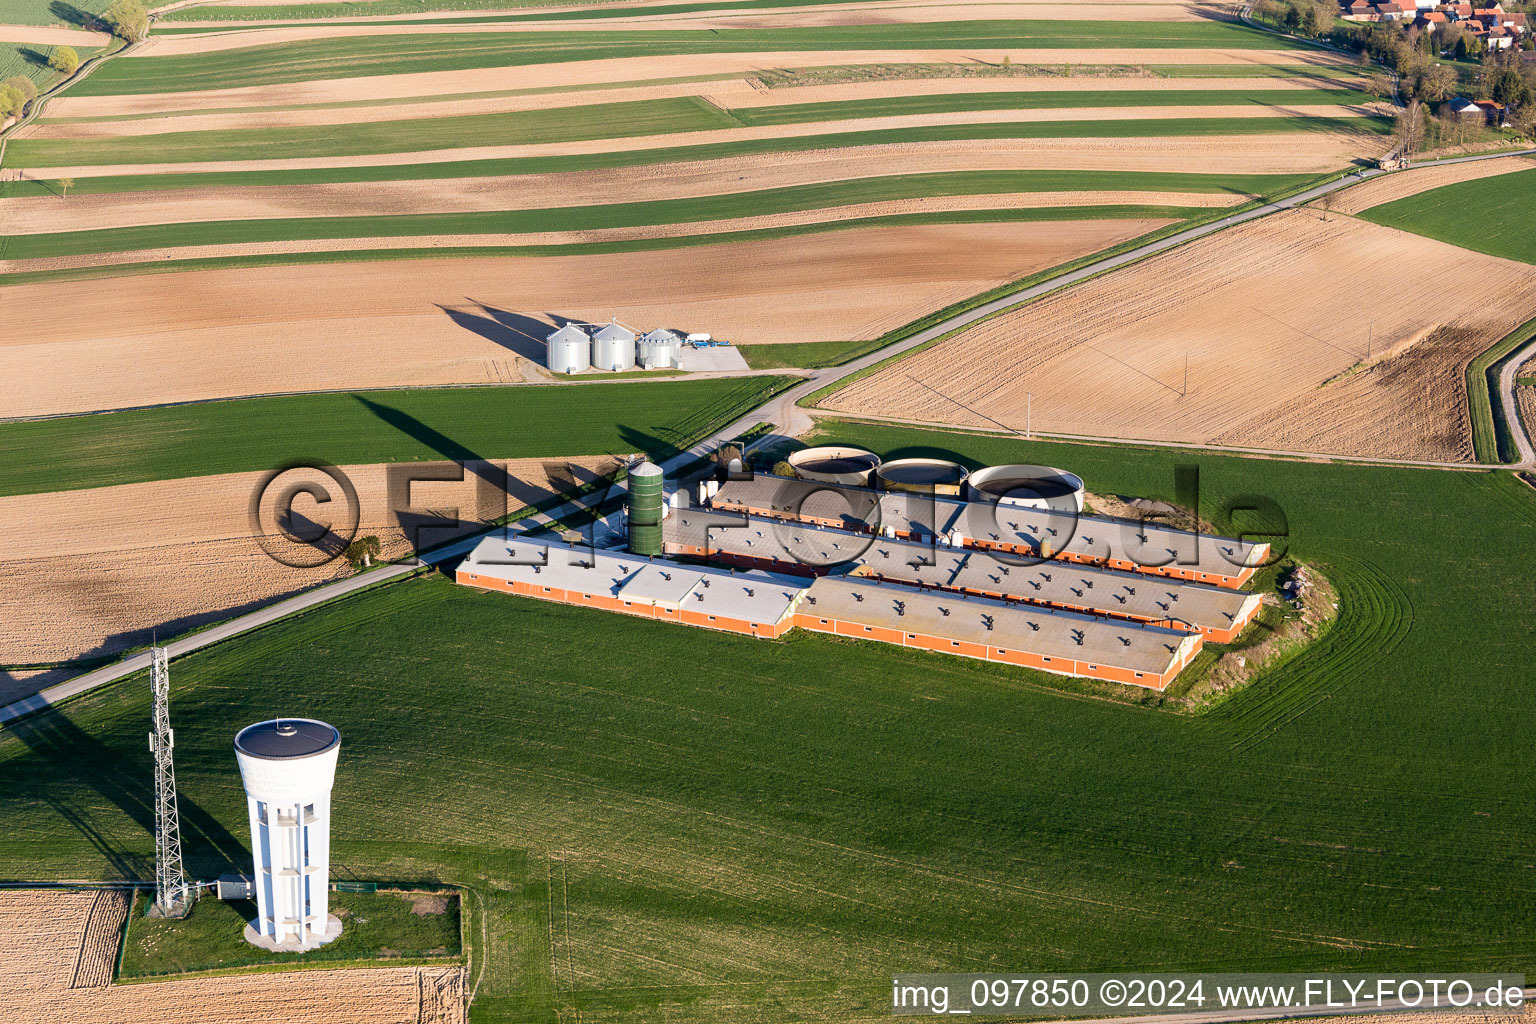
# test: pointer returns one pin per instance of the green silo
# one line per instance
(645, 500)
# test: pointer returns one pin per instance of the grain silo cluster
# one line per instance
(611, 348)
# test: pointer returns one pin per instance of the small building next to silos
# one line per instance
(288, 766)
(613, 347)
(835, 464)
(645, 509)
(569, 349)
(922, 476)
(1027, 487)
(660, 349)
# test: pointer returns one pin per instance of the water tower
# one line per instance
(288, 765)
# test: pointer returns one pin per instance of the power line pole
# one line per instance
(1029, 416)
(173, 897)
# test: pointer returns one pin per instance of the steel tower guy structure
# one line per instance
(173, 897)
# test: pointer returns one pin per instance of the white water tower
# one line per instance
(288, 765)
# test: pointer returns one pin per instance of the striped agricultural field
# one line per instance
(768, 172)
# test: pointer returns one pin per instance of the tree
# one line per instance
(1379, 85)
(1007, 61)
(1319, 17)
(65, 184)
(25, 86)
(64, 60)
(1409, 128)
(1463, 51)
(362, 552)
(1523, 120)
(11, 101)
(782, 468)
(1437, 84)
(128, 20)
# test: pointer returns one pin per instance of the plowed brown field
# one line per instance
(544, 191)
(737, 93)
(39, 973)
(637, 69)
(796, 17)
(97, 961)
(93, 572)
(1281, 153)
(1271, 317)
(219, 333)
(1421, 179)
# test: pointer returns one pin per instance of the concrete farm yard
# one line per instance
(341, 233)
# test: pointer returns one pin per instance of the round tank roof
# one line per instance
(646, 469)
(1045, 481)
(922, 471)
(285, 738)
(834, 460)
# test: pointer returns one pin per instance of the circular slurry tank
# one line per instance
(1027, 486)
(834, 464)
(922, 476)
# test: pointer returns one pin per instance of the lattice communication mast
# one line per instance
(173, 896)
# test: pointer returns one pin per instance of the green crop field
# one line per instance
(31, 61)
(356, 56)
(371, 426)
(1050, 214)
(595, 121)
(335, 12)
(899, 106)
(671, 211)
(662, 822)
(1492, 215)
(1150, 128)
(562, 124)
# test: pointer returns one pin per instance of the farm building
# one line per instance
(974, 627)
(765, 605)
(1219, 614)
(752, 603)
(1127, 544)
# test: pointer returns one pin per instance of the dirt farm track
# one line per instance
(62, 972)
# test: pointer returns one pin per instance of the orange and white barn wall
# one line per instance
(643, 609)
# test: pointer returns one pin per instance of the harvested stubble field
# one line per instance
(220, 333)
(1422, 179)
(41, 983)
(95, 572)
(1274, 317)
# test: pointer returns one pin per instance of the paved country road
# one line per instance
(790, 420)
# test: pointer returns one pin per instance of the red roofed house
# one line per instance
(1494, 112)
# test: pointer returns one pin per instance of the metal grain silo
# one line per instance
(569, 349)
(659, 350)
(922, 476)
(834, 464)
(1027, 486)
(613, 348)
(645, 509)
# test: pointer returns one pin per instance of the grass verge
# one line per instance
(385, 929)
